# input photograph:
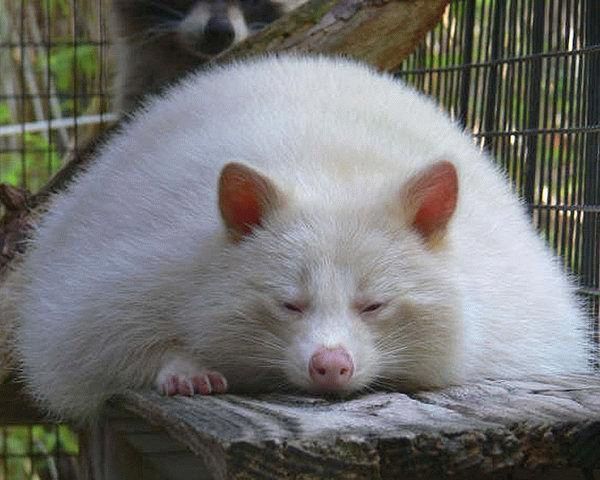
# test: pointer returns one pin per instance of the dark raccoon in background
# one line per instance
(158, 41)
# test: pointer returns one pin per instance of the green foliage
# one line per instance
(74, 70)
(61, 6)
(68, 440)
(65, 60)
(33, 167)
(5, 116)
(33, 450)
(68, 64)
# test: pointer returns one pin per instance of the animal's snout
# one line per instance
(331, 369)
(218, 34)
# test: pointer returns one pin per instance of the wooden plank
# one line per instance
(488, 427)
(111, 457)
(177, 466)
(123, 447)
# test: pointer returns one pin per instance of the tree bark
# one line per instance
(380, 32)
(526, 428)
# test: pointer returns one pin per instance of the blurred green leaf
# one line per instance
(5, 115)
(17, 441)
(66, 60)
(18, 468)
(44, 439)
(68, 440)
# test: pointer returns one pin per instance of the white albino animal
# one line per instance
(288, 222)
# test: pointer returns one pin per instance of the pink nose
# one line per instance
(330, 368)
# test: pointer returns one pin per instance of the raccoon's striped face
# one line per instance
(206, 27)
(210, 27)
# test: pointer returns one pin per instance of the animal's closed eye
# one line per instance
(293, 307)
(371, 307)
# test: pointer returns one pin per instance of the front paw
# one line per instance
(180, 376)
(203, 383)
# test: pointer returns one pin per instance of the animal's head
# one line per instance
(352, 295)
(204, 28)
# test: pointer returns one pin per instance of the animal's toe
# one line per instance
(185, 387)
(170, 385)
(217, 381)
(188, 384)
(202, 384)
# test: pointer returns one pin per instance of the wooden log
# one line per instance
(382, 33)
(492, 428)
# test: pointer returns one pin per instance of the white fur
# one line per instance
(289, 5)
(133, 262)
(196, 19)
(236, 16)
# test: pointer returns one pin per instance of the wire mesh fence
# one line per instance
(54, 87)
(523, 76)
(30, 449)
(38, 452)
(54, 93)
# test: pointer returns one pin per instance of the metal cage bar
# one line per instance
(528, 73)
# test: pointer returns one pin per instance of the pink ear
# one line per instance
(431, 198)
(245, 196)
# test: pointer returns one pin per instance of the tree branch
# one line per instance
(380, 32)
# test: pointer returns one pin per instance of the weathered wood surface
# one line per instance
(127, 448)
(489, 427)
(379, 32)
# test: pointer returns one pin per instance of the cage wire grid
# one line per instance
(522, 75)
(54, 94)
(38, 452)
(54, 86)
